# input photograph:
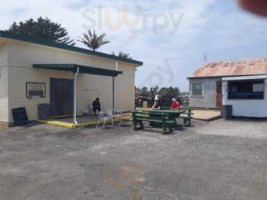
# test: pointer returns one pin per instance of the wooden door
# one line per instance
(219, 94)
(61, 97)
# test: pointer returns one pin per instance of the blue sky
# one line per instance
(170, 37)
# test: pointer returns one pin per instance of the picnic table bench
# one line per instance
(187, 116)
(162, 118)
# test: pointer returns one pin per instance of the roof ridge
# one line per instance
(236, 60)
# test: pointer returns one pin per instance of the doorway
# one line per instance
(61, 97)
(219, 94)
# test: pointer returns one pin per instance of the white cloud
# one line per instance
(147, 46)
(201, 29)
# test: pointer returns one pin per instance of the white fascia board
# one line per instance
(236, 78)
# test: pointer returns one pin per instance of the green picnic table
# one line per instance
(164, 118)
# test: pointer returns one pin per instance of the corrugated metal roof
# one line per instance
(232, 68)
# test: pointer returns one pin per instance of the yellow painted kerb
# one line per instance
(72, 125)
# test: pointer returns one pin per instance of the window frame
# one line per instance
(39, 83)
(202, 89)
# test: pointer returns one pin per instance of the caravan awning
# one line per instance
(82, 69)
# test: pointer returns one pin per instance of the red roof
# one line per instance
(232, 68)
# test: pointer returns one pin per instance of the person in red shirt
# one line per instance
(175, 105)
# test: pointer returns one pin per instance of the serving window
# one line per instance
(35, 90)
(248, 89)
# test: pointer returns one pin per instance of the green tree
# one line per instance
(154, 91)
(92, 40)
(175, 92)
(42, 28)
(144, 91)
(138, 91)
(123, 55)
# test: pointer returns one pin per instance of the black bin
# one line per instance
(44, 111)
(20, 116)
(227, 112)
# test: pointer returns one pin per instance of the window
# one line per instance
(248, 89)
(197, 89)
(35, 90)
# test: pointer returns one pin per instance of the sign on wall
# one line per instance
(35, 90)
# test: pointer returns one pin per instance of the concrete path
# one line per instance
(206, 115)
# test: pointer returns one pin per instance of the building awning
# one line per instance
(82, 69)
(76, 69)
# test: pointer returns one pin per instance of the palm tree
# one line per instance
(123, 55)
(92, 40)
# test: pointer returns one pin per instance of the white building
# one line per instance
(34, 71)
(242, 84)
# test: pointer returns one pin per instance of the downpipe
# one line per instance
(75, 96)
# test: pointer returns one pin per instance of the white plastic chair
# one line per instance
(110, 116)
(105, 117)
(91, 110)
(120, 114)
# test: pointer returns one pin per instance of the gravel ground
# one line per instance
(245, 128)
(209, 161)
